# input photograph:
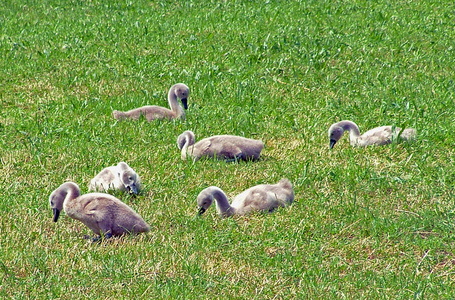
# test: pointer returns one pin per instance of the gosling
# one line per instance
(378, 136)
(104, 214)
(226, 147)
(120, 177)
(153, 112)
(262, 198)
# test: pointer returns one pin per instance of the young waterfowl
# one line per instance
(228, 147)
(120, 177)
(102, 213)
(153, 112)
(377, 136)
(264, 197)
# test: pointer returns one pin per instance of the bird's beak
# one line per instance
(332, 143)
(184, 102)
(201, 210)
(56, 214)
(131, 189)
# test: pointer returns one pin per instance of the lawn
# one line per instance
(375, 222)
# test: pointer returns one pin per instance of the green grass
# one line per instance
(368, 223)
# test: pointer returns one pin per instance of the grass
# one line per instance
(376, 222)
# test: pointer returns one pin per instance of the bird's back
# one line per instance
(230, 147)
(105, 179)
(384, 135)
(264, 197)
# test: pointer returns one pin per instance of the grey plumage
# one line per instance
(104, 214)
(228, 147)
(264, 197)
(153, 112)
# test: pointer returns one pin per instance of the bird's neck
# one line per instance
(187, 146)
(184, 149)
(174, 104)
(69, 193)
(353, 129)
(222, 204)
